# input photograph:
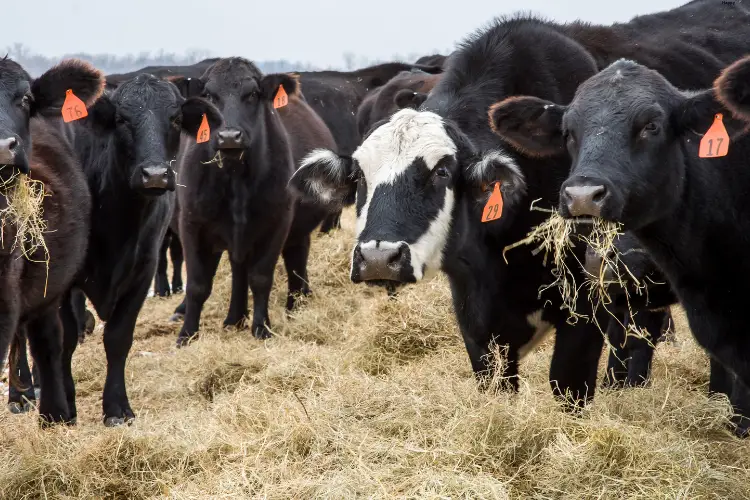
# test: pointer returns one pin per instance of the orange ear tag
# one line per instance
(204, 132)
(281, 98)
(494, 207)
(715, 142)
(73, 108)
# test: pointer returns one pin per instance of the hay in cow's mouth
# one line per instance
(216, 159)
(25, 212)
(554, 235)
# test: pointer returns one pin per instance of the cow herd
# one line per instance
(605, 122)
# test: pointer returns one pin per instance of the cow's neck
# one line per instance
(699, 243)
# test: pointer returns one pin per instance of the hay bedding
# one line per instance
(359, 396)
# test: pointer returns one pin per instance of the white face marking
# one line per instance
(391, 149)
(542, 330)
(386, 154)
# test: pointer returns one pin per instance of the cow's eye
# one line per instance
(252, 95)
(442, 172)
(25, 101)
(177, 122)
(651, 127)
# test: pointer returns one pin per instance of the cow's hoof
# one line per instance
(177, 318)
(177, 289)
(118, 421)
(16, 408)
(72, 421)
(262, 333)
(235, 323)
(185, 340)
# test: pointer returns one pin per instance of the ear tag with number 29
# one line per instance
(494, 207)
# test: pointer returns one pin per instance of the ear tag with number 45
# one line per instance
(716, 141)
(494, 207)
(73, 108)
(204, 132)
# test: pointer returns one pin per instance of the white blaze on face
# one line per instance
(387, 154)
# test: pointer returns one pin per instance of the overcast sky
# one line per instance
(314, 31)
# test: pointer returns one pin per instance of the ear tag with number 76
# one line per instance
(494, 207)
(73, 108)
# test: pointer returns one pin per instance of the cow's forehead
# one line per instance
(392, 148)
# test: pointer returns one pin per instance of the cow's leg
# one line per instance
(575, 360)
(21, 395)
(332, 221)
(77, 300)
(175, 253)
(179, 312)
(70, 342)
(161, 282)
(617, 362)
(118, 339)
(238, 311)
(202, 264)
(295, 261)
(641, 350)
(45, 334)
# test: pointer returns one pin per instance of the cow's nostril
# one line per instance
(396, 256)
(12, 143)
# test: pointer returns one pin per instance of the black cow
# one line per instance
(634, 140)
(126, 146)
(408, 89)
(164, 72)
(645, 303)
(421, 180)
(32, 144)
(242, 204)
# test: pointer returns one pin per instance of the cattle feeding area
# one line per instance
(361, 395)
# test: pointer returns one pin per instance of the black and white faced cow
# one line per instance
(634, 140)
(422, 180)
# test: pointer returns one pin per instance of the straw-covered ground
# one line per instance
(362, 396)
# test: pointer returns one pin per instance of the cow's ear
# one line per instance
(531, 125)
(49, 90)
(732, 88)
(496, 166)
(696, 112)
(193, 110)
(406, 98)
(102, 114)
(269, 85)
(188, 87)
(324, 177)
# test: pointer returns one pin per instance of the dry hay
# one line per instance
(360, 395)
(24, 212)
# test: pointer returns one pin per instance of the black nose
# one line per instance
(7, 150)
(584, 200)
(380, 261)
(155, 177)
(229, 138)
